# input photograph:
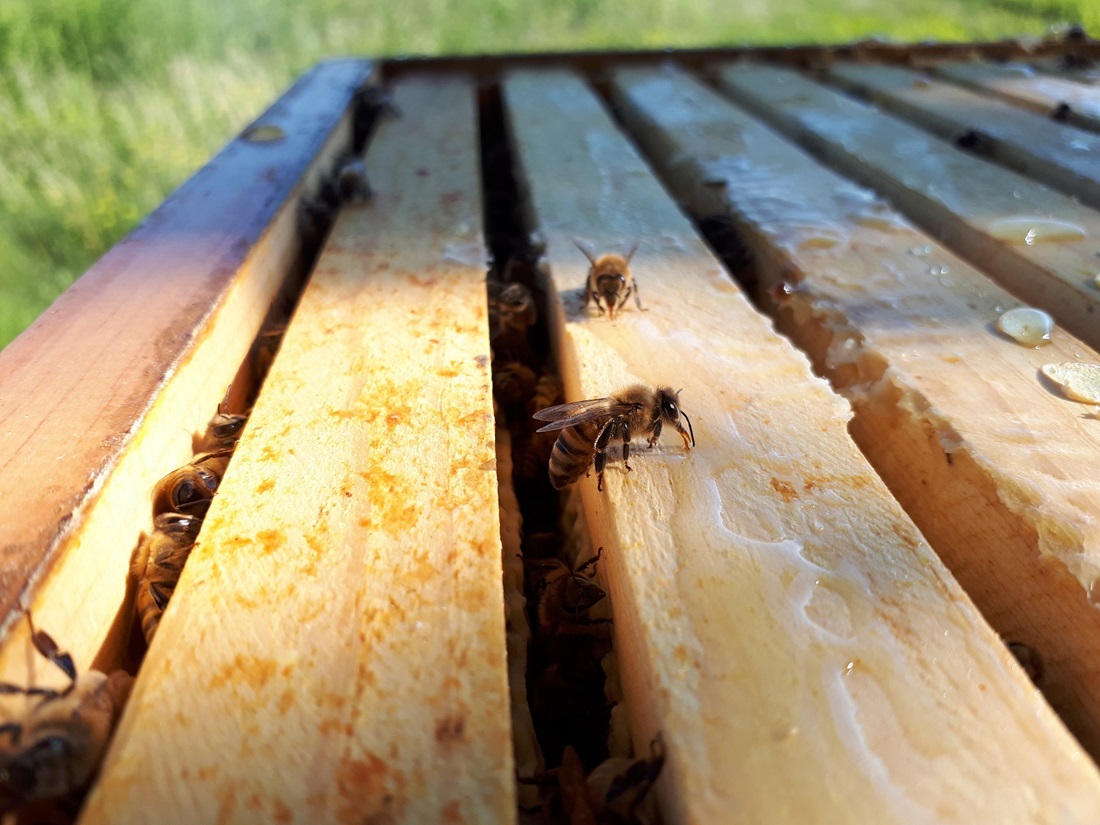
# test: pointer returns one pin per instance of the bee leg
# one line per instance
(655, 434)
(604, 437)
(638, 297)
(44, 644)
(625, 428)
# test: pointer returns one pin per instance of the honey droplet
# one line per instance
(1031, 231)
(1081, 382)
(263, 133)
(1027, 326)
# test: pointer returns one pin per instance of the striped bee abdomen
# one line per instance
(573, 453)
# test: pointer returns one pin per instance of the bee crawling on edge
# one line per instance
(588, 427)
(610, 281)
(53, 751)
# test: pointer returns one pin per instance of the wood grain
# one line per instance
(778, 618)
(335, 649)
(981, 211)
(995, 467)
(1061, 156)
(1020, 84)
(101, 395)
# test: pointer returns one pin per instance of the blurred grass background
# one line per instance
(107, 105)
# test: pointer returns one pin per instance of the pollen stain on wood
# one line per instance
(272, 540)
(452, 811)
(396, 416)
(784, 489)
(264, 486)
(286, 702)
(282, 813)
(361, 784)
(450, 729)
(244, 669)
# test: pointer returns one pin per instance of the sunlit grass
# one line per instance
(106, 105)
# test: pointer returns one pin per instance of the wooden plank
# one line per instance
(997, 471)
(1061, 97)
(778, 618)
(334, 651)
(982, 212)
(1060, 156)
(102, 393)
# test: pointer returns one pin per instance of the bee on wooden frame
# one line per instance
(610, 281)
(190, 489)
(223, 430)
(618, 788)
(588, 427)
(156, 564)
(565, 597)
(53, 752)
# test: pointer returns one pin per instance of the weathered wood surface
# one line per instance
(997, 469)
(1040, 245)
(1061, 97)
(101, 395)
(335, 649)
(778, 618)
(1063, 157)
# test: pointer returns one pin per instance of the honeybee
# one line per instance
(1028, 659)
(347, 184)
(350, 181)
(223, 431)
(513, 384)
(53, 752)
(618, 789)
(565, 596)
(190, 489)
(610, 281)
(156, 564)
(616, 792)
(588, 427)
(511, 310)
(548, 392)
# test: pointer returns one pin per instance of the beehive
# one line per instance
(810, 607)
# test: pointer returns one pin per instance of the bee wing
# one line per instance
(577, 412)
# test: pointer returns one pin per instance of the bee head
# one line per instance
(668, 408)
(39, 771)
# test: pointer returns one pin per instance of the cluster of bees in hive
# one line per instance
(51, 751)
(571, 686)
(50, 754)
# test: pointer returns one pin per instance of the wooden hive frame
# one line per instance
(809, 607)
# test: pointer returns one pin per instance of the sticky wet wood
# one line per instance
(335, 651)
(980, 210)
(1061, 156)
(102, 394)
(1062, 98)
(804, 657)
(993, 466)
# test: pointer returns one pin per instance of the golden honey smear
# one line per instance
(1081, 382)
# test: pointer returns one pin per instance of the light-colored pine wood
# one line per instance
(1061, 156)
(997, 469)
(1023, 86)
(335, 649)
(778, 618)
(980, 210)
(102, 394)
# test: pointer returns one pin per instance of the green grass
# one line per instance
(107, 105)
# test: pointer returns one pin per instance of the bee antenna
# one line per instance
(585, 251)
(690, 430)
(633, 249)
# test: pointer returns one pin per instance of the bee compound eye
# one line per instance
(185, 492)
